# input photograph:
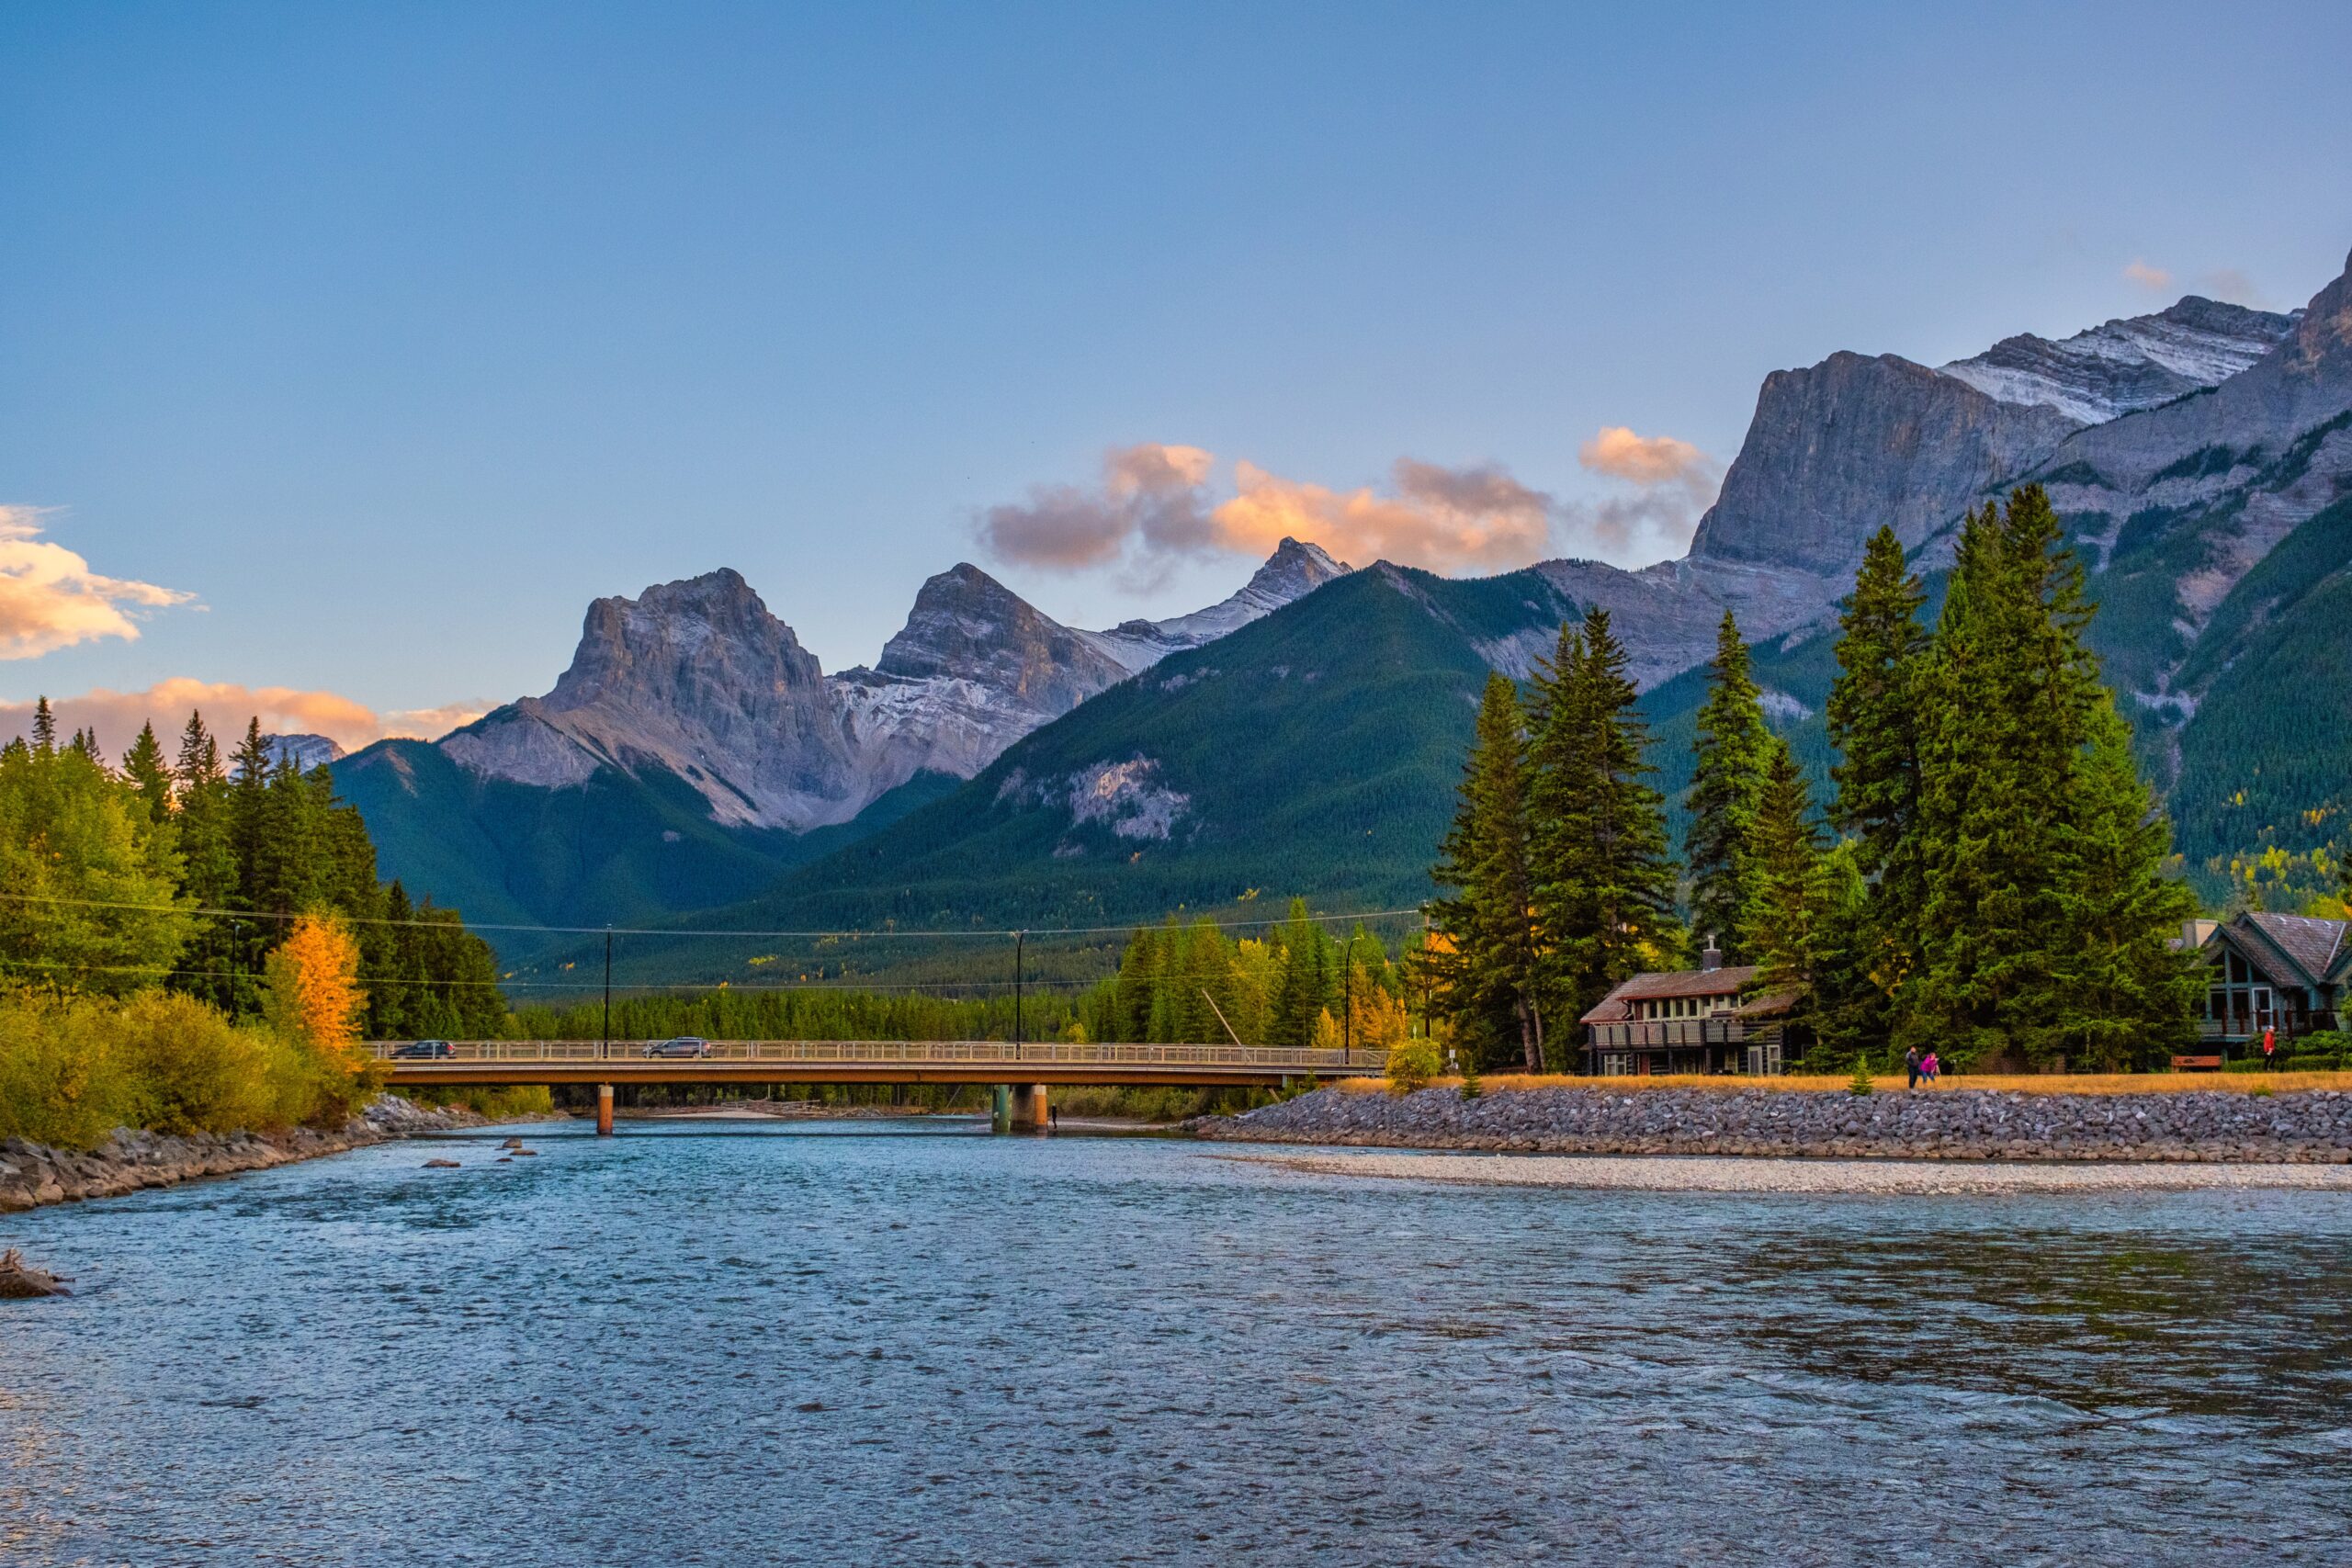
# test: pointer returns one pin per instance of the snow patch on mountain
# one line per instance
(2131, 363)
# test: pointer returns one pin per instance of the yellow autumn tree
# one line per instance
(311, 989)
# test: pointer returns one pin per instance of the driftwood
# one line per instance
(19, 1280)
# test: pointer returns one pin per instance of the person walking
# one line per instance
(1911, 1069)
(1929, 1067)
(2269, 1048)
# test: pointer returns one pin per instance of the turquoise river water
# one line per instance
(912, 1343)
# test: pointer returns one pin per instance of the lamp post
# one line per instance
(607, 1049)
(1019, 939)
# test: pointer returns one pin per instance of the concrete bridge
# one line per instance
(1023, 1074)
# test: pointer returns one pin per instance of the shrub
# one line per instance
(1411, 1064)
(191, 1069)
(61, 1082)
(1861, 1082)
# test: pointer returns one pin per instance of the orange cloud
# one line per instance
(1443, 519)
(431, 724)
(1673, 480)
(1149, 493)
(1644, 459)
(50, 598)
(2154, 279)
(283, 710)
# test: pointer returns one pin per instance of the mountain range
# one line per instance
(1304, 735)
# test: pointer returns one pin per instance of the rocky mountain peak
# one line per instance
(710, 633)
(2128, 364)
(966, 624)
(1297, 567)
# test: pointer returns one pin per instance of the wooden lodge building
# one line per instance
(1688, 1020)
(2287, 972)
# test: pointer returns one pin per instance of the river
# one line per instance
(912, 1343)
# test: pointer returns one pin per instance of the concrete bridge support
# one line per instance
(1001, 1108)
(604, 1111)
(1030, 1112)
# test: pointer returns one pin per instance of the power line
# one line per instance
(458, 922)
(860, 986)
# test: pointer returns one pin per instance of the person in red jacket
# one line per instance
(2269, 1048)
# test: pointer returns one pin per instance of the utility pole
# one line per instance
(609, 994)
(1019, 939)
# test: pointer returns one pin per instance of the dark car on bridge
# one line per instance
(684, 1046)
(423, 1051)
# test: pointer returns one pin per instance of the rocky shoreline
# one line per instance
(34, 1173)
(2303, 1128)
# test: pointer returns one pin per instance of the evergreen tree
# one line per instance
(1874, 718)
(144, 766)
(2113, 992)
(1488, 975)
(1604, 885)
(1734, 752)
(1303, 993)
(1785, 920)
(1856, 965)
(2008, 691)
(44, 727)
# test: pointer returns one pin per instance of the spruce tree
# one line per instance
(1304, 990)
(2007, 695)
(44, 727)
(2113, 992)
(1487, 976)
(1604, 883)
(144, 766)
(1873, 718)
(1732, 759)
(1784, 930)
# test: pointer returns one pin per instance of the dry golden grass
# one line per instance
(2048, 1083)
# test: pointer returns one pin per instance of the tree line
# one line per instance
(1993, 878)
(187, 873)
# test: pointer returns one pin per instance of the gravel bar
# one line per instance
(1669, 1173)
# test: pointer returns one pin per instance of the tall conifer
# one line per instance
(1604, 883)
(1732, 760)
(144, 766)
(1874, 718)
(1487, 976)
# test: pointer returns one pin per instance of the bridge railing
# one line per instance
(911, 1053)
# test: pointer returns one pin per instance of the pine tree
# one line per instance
(2113, 992)
(1487, 976)
(144, 766)
(1303, 991)
(2008, 693)
(1874, 718)
(1604, 884)
(44, 727)
(1733, 751)
(1784, 933)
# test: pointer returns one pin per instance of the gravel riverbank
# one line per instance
(34, 1173)
(2310, 1127)
(1877, 1178)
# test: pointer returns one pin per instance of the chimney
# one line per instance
(2194, 933)
(1713, 959)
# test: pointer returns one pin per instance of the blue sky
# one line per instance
(389, 336)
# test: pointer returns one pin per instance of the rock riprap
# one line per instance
(2313, 1126)
(33, 1174)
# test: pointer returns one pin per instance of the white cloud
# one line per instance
(50, 598)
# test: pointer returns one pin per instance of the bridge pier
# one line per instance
(1030, 1112)
(1001, 1108)
(604, 1111)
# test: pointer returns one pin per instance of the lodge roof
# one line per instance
(1727, 981)
(2315, 946)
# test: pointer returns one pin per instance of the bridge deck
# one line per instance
(873, 1061)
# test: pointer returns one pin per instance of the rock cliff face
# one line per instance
(1854, 442)
(696, 679)
(2124, 365)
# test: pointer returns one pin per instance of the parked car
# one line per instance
(424, 1051)
(684, 1046)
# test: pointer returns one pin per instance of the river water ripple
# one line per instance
(910, 1343)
